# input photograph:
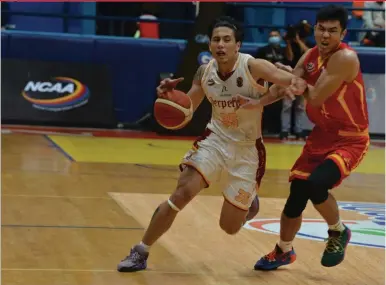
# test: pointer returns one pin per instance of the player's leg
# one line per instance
(291, 216)
(328, 175)
(232, 217)
(290, 222)
(189, 185)
(200, 167)
(241, 202)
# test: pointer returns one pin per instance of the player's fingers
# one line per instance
(161, 92)
(173, 83)
(178, 80)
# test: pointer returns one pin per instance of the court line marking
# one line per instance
(59, 148)
(72, 227)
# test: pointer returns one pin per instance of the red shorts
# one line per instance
(346, 149)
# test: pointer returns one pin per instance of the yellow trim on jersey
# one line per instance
(363, 154)
(362, 97)
(364, 133)
(300, 173)
(340, 161)
(343, 103)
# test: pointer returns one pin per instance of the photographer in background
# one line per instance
(297, 45)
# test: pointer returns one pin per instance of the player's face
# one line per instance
(223, 45)
(328, 35)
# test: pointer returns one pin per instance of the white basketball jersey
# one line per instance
(237, 125)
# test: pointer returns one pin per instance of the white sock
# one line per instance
(144, 246)
(285, 245)
(337, 227)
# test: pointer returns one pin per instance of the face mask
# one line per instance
(275, 40)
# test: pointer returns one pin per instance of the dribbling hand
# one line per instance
(167, 85)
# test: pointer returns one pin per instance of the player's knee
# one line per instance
(326, 174)
(184, 193)
(230, 228)
(323, 178)
(298, 198)
(182, 196)
(318, 193)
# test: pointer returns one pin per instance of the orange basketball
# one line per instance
(173, 113)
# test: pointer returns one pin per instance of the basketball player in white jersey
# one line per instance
(232, 143)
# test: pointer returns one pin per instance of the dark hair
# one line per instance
(331, 13)
(229, 22)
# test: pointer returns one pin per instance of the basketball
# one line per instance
(175, 112)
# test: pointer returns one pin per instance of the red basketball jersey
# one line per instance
(346, 109)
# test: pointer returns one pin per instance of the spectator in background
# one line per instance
(297, 45)
(273, 52)
(374, 19)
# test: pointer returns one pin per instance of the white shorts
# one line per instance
(243, 164)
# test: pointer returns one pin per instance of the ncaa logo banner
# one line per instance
(367, 232)
(56, 93)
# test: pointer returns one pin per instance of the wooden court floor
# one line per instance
(66, 222)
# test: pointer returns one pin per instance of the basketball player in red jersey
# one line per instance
(336, 104)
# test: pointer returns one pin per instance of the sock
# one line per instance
(337, 227)
(285, 245)
(144, 246)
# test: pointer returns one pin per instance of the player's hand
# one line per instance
(284, 67)
(246, 102)
(167, 85)
(297, 87)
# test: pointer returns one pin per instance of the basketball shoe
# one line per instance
(275, 259)
(336, 247)
(135, 261)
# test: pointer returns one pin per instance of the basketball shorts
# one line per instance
(244, 166)
(347, 151)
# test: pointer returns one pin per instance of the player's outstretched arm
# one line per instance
(261, 68)
(277, 92)
(342, 67)
(196, 92)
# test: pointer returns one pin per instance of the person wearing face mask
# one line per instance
(273, 52)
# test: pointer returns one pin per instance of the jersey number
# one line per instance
(243, 197)
(230, 120)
